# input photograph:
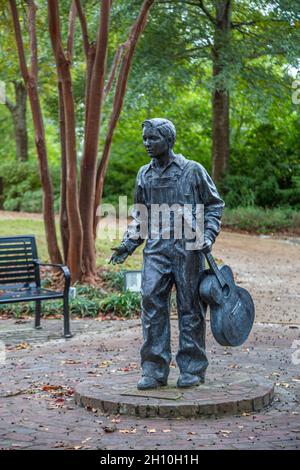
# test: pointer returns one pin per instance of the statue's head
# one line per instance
(158, 136)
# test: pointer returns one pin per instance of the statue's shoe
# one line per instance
(189, 380)
(146, 383)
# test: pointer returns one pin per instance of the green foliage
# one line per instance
(265, 168)
(238, 190)
(259, 220)
(114, 279)
(86, 302)
(22, 187)
(125, 305)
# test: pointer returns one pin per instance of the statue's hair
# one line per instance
(165, 127)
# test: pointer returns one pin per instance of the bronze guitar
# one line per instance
(232, 309)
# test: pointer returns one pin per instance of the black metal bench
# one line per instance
(20, 279)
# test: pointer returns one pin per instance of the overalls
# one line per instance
(166, 263)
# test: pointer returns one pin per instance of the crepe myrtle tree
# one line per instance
(80, 193)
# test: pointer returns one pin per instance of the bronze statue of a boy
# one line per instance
(171, 179)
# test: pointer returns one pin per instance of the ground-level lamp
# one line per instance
(132, 281)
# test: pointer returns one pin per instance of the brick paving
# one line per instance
(37, 409)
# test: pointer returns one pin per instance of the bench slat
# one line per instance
(5, 253)
(28, 295)
(13, 275)
(16, 263)
(10, 246)
(16, 258)
(17, 269)
(17, 281)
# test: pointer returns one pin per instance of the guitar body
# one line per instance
(232, 309)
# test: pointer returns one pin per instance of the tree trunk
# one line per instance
(20, 122)
(74, 258)
(18, 112)
(131, 43)
(220, 133)
(48, 200)
(94, 97)
(63, 214)
(220, 94)
(30, 80)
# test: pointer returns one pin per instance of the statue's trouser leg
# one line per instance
(157, 281)
(191, 356)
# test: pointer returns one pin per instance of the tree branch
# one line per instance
(256, 22)
(10, 105)
(189, 52)
(54, 30)
(71, 32)
(207, 13)
(85, 35)
(32, 38)
(194, 4)
(115, 64)
(19, 41)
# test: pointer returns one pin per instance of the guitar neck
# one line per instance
(213, 265)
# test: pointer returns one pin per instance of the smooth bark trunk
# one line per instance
(74, 258)
(220, 94)
(18, 113)
(30, 80)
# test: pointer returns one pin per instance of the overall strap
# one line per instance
(186, 167)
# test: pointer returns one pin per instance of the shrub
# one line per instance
(22, 187)
(126, 305)
(114, 279)
(261, 220)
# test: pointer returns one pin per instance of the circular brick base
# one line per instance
(237, 392)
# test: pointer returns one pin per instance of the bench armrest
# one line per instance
(62, 267)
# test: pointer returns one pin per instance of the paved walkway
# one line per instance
(37, 380)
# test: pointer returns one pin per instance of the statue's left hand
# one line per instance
(207, 245)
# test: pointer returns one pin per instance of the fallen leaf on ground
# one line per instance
(109, 428)
(127, 431)
(104, 364)
(23, 346)
(48, 388)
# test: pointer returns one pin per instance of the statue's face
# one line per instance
(155, 144)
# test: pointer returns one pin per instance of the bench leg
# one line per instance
(67, 333)
(37, 321)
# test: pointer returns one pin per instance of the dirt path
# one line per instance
(269, 268)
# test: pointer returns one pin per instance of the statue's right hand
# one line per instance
(120, 254)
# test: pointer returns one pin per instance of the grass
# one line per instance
(21, 226)
(11, 227)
